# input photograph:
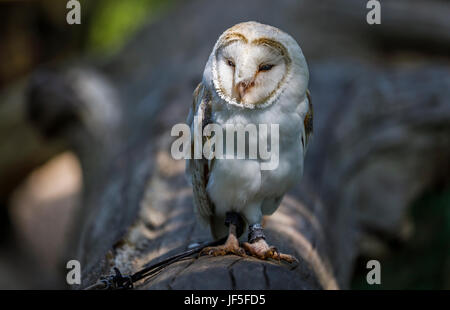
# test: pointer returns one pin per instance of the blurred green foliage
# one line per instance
(114, 21)
(423, 262)
(35, 32)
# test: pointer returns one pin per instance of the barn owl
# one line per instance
(256, 74)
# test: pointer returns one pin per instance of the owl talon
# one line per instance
(274, 251)
(231, 246)
(261, 250)
(222, 250)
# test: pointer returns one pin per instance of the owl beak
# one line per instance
(243, 87)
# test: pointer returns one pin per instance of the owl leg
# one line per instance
(231, 246)
(258, 247)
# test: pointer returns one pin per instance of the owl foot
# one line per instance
(260, 249)
(231, 246)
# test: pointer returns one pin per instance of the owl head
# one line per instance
(252, 64)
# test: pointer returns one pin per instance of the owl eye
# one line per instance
(230, 63)
(265, 67)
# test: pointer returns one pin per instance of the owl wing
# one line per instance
(308, 123)
(199, 169)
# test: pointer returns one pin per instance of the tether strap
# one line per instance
(235, 219)
(118, 281)
(255, 233)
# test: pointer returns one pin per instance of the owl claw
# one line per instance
(231, 246)
(261, 250)
(222, 250)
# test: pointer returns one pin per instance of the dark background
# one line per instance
(40, 188)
